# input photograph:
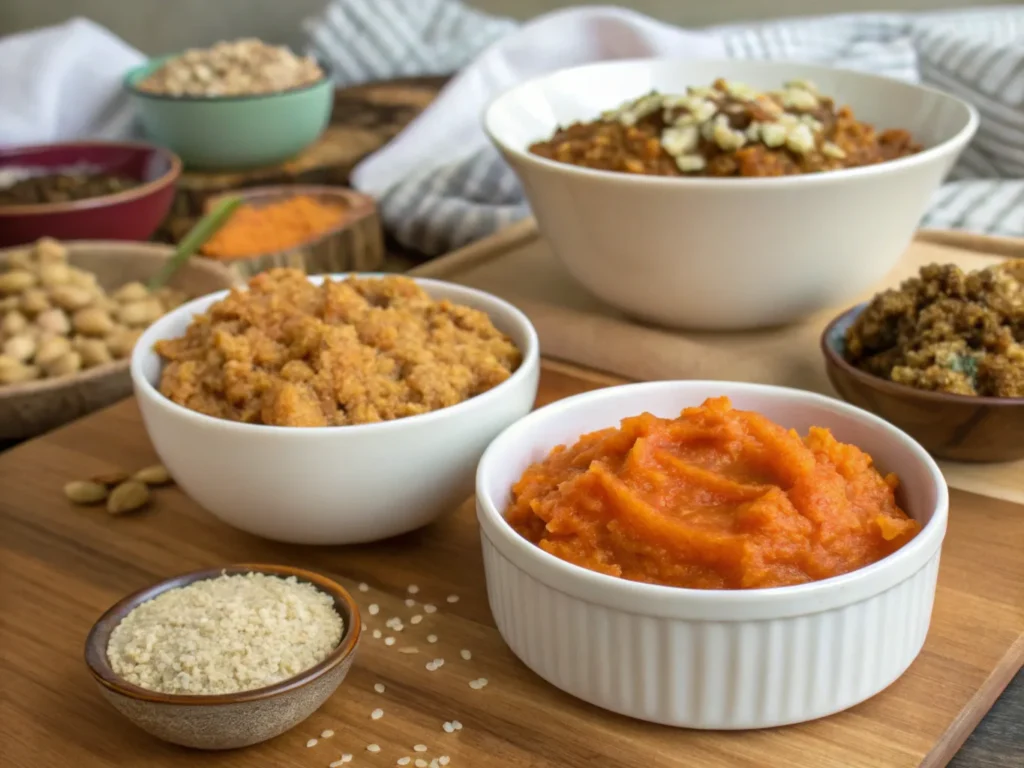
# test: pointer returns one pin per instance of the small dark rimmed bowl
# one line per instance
(955, 427)
(133, 214)
(231, 720)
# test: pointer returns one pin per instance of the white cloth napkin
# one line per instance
(64, 83)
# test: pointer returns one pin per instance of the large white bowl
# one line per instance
(333, 485)
(726, 253)
(708, 658)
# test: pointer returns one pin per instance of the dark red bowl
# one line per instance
(133, 214)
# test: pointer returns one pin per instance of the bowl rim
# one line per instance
(530, 362)
(99, 636)
(357, 207)
(153, 63)
(142, 190)
(711, 604)
(924, 157)
(833, 358)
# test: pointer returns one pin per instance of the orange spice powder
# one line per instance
(254, 230)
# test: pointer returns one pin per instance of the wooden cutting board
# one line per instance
(519, 265)
(61, 566)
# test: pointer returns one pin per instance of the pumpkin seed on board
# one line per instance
(157, 474)
(85, 492)
(128, 497)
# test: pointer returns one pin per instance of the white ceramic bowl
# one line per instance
(706, 658)
(726, 253)
(333, 485)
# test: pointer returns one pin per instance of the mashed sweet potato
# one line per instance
(717, 498)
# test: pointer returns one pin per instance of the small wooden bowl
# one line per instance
(356, 244)
(233, 720)
(955, 427)
(34, 407)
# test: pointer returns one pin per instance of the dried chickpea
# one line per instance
(66, 364)
(134, 291)
(34, 301)
(71, 297)
(92, 321)
(14, 372)
(50, 349)
(13, 323)
(140, 312)
(51, 275)
(20, 348)
(21, 260)
(50, 251)
(93, 351)
(9, 303)
(54, 321)
(81, 278)
(122, 341)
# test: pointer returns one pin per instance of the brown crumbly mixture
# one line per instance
(947, 331)
(636, 140)
(290, 353)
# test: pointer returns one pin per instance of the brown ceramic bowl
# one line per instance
(230, 720)
(955, 427)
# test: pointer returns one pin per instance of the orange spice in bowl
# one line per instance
(276, 226)
(716, 498)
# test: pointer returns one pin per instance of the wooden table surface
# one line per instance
(63, 565)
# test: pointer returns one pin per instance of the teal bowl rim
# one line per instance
(150, 65)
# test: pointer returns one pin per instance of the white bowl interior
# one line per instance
(533, 110)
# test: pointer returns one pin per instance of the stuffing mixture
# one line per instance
(947, 331)
(287, 352)
(729, 129)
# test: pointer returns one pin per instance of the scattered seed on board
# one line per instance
(431, 638)
(435, 664)
(311, 743)
(85, 492)
(155, 474)
(428, 608)
(452, 598)
(448, 728)
(379, 687)
(389, 641)
(412, 589)
(420, 748)
(466, 654)
(327, 734)
(345, 758)
(377, 634)
(477, 684)
(409, 649)
(377, 714)
(456, 725)
(373, 748)
(111, 479)
(434, 764)
(374, 609)
(127, 497)
(403, 761)
(416, 619)
(409, 602)
(420, 763)
(364, 587)
(443, 760)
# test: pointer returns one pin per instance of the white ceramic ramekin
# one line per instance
(334, 485)
(728, 253)
(704, 658)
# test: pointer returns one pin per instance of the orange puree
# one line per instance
(715, 499)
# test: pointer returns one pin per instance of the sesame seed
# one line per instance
(453, 598)
(467, 655)
(377, 714)
(410, 649)
(420, 763)
(429, 608)
(477, 684)
(373, 748)
(378, 687)
(456, 725)
(448, 728)
(412, 589)
(311, 743)
(377, 634)
(403, 760)
(431, 638)
(431, 666)
(443, 760)
(364, 587)
(345, 758)
(416, 619)
(434, 764)
(420, 748)
(438, 662)
(409, 602)
(374, 609)
(327, 734)
(389, 640)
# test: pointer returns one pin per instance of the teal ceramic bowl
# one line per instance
(232, 132)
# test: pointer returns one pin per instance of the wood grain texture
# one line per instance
(61, 566)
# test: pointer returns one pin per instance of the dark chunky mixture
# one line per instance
(728, 129)
(947, 331)
(63, 188)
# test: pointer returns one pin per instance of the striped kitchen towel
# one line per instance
(441, 185)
